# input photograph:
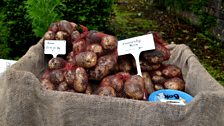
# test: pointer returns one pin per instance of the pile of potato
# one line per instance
(91, 65)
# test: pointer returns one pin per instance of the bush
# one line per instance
(95, 14)
(42, 14)
(17, 29)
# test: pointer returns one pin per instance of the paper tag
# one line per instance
(4, 64)
(55, 47)
(135, 46)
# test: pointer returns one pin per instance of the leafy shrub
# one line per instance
(95, 14)
(17, 29)
(42, 13)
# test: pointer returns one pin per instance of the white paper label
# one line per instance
(4, 64)
(135, 46)
(55, 47)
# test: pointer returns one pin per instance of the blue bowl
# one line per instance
(170, 96)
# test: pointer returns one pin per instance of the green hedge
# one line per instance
(94, 14)
(15, 28)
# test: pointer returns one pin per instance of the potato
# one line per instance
(134, 87)
(56, 63)
(106, 91)
(158, 87)
(124, 64)
(56, 76)
(49, 35)
(153, 57)
(89, 89)
(65, 26)
(47, 85)
(148, 82)
(60, 35)
(69, 77)
(156, 72)
(53, 27)
(115, 81)
(74, 26)
(175, 84)
(109, 42)
(79, 46)
(81, 80)
(94, 37)
(71, 58)
(75, 36)
(158, 79)
(63, 86)
(171, 71)
(105, 65)
(86, 59)
(96, 48)
(145, 66)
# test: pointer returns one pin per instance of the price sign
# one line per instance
(135, 46)
(55, 47)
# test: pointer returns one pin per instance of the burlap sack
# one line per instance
(24, 103)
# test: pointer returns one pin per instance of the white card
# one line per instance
(4, 64)
(55, 47)
(135, 46)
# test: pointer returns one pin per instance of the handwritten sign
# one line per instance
(55, 47)
(135, 46)
(4, 64)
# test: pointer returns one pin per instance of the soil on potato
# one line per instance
(209, 51)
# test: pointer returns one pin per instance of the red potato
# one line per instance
(60, 35)
(63, 86)
(49, 35)
(89, 90)
(158, 87)
(86, 59)
(134, 87)
(145, 66)
(115, 81)
(53, 27)
(158, 79)
(79, 46)
(106, 91)
(175, 84)
(124, 64)
(71, 58)
(47, 85)
(171, 71)
(74, 26)
(65, 26)
(46, 74)
(94, 36)
(81, 80)
(109, 42)
(56, 76)
(105, 65)
(75, 36)
(148, 82)
(96, 48)
(69, 77)
(156, 73)
(56, 63)
(153, 57)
